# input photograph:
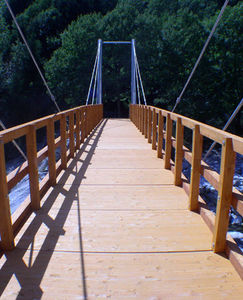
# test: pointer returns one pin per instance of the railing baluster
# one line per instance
(82, 125)
(225, 195)
(179, 152)
(155, 120)
(71, 133)
(6, 229)
(145, 122)
(160, 134)
(77, 129)
(143, 119)
(63, 133)
(149, 125)
(33, 167)
(168, 142)
(140, 117)
(195, 169)
(51, 151)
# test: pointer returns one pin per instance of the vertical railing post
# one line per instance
(82, 124)
(146, 122)
(225, 195)
(195, 169)
(133, 73)
(179, 152)
(51, 151)
(168, 142)
(63, 133)
(33, 167)
(143, 119)
(155, 120)
(71, 133)
(149, 125)
(160, 134)
(77, 129)
(137, 115)
(6, 229)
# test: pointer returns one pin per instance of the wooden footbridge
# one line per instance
(113, 219)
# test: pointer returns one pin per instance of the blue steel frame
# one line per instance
(133, 70)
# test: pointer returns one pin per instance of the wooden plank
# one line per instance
(146, 122)
(16, 175)
(51, 151)
(77, 129)
(160, 134)
(195, 169)
(149, 125)
(82, 125)
(143, 111)
(179, 152)
(71, 129)
(6, 229)
(33, 167)
(225, 195)
(155, 121)
(63, 133)
(168, 142)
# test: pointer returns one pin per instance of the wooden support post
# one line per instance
(160, 134)
(168, 142)
(137, 123)
(149, 125)
(143, 119)
(155, 120)
(51, 151)
(63, 133)
(86, 115)
(225, 196)
(33, 167)
(82, 125)
(77, 129)
(6, 229)
(137, 116)
(146, 122)
(140, 117)
(195, 169)
(179, 152)
(71, 133)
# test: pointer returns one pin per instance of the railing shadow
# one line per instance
(30, 272)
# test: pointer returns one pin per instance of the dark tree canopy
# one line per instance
(169, 37)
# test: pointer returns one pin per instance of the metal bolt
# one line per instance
(223, 143)
(218, 198)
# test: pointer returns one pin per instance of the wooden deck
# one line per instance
(115, 227)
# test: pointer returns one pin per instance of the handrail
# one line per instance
(150, 121)
(81, 121)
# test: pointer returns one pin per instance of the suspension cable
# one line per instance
(226, 126)
(32, 56)
(201, 54)
(139, 75)
(14, 142)
(92, 79)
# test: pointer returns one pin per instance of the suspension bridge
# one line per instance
(115, 217)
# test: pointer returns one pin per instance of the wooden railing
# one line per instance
(157, 126)
(74, 124)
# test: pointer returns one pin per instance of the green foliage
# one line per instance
(169, 37)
